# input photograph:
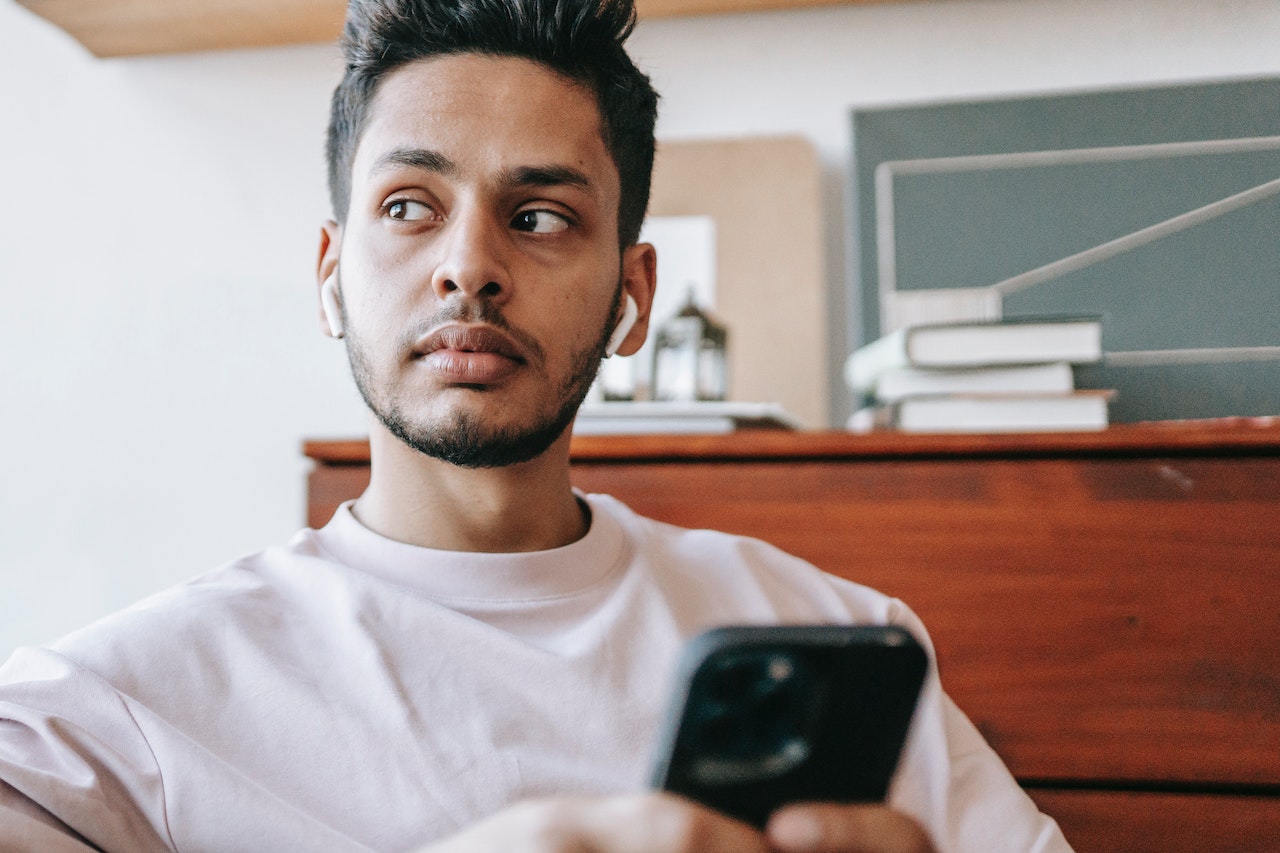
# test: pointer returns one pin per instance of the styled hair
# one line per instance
(581, 40)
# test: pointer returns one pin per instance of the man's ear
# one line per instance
(639, 279)
(327, 268)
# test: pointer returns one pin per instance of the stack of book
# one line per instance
(1010, 375)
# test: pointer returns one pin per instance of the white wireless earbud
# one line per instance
(629, 314)
(329, 303)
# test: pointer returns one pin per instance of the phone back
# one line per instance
(771, 715)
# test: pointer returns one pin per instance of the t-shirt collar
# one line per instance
(462, 576)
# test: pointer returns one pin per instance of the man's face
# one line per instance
(479, 265)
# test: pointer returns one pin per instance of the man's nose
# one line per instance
(473, 259)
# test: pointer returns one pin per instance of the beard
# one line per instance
(464, 438)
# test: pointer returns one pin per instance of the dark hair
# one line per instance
(580, 39)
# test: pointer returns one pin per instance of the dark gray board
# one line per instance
(1214, 285)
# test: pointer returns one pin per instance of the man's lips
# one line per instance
(469, 355)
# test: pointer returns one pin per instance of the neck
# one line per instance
(422, 501)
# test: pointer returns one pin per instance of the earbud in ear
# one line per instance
(329, 303)
(629, 314)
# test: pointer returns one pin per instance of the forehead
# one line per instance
(487, 114)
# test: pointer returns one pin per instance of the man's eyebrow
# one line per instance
(548, 176)
(417, 158)
(519, 176)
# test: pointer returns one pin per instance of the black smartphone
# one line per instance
(764, 716)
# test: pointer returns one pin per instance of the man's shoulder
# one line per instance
(742, 571)
(198, 625)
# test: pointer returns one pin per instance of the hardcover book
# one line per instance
(1080, 410)
(1052, 378)
(979, 343)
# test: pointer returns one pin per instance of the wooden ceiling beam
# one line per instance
(142, 27)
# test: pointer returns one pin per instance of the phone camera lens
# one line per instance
(780, 668)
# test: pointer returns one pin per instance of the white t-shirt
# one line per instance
(349, 693)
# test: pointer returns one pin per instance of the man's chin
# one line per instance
(468, 443)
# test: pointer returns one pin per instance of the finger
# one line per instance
(839, 828)
(644, 823)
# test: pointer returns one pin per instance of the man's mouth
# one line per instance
(469, 354)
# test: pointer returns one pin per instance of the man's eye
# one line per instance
(406, 210)
(540, 222)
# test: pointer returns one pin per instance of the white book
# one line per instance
(653, 426)
(979, 343)
(640, 417)
(899, 382)
(1078, 411)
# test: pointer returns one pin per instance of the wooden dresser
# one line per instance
(1105, 606)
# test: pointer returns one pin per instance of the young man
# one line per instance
(471, 656)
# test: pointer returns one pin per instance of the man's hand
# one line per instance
(664, 823)
(631, 823)
(839, 828)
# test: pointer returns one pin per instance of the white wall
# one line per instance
(159, 357)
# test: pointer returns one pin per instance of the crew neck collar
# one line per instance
(469, 576)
